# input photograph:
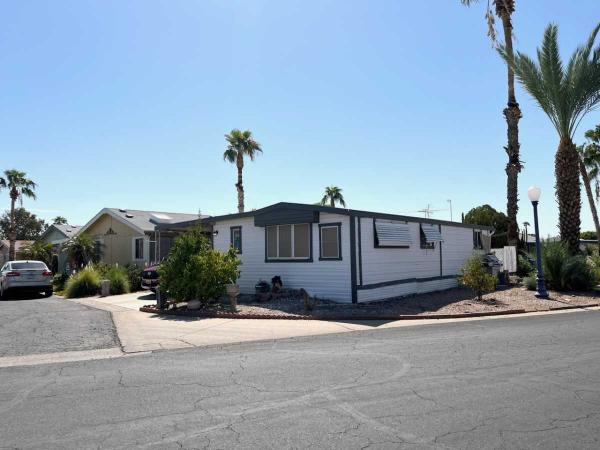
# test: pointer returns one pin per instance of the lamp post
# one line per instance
(534, 195)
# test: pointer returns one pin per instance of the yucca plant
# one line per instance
(566, 95)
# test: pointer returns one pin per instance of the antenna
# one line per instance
(428, 212)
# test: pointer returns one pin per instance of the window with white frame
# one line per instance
(138, 248)
(288, 242)
(329, 241)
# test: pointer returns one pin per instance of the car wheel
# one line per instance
(48, 293)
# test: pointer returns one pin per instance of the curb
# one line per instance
(338, 318)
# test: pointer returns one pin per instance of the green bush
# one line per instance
(194, 271)
(566, 272)
(84, 283)
(530, 282)
(524, 267)
(59, 280)
(475, 276)
(119, 283)
(134, 275)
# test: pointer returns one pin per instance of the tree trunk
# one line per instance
(12, 232)
(512, 113)
(239, 185)
(590, 195)
(332, 202)
(568, 193)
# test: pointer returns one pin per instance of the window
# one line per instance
(430, 234)
(477, 242)
(235, 234)
(288, 242)
(391, 235)
(330, 241)
(138, 248)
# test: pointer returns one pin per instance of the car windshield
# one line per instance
(28, 265)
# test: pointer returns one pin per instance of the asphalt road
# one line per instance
(30, 324)
(509, 383)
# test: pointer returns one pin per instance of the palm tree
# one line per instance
(82, 250)
(332, 195)
(59, 220)
(589, 167)
(512, 113)
(566, 95)
(19, 186)
(240, 144)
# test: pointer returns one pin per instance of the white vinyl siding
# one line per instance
(327, 279)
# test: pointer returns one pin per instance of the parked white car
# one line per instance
(32, 276)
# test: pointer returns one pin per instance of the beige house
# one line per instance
(129, 236)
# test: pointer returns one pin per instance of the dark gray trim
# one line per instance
(285, 216)
(360, 272)
(441, 270)
(310, 248)
(353, 286)
(231, 229)
(347, 212)
(339, 227)
(404, 281)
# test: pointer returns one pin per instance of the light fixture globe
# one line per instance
(534, 193)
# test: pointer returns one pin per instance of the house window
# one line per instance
(235, 235)
(391, 234)
(288, 242)
(138, 248)
(477, 242)
(330, 241)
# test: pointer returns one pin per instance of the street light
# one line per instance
(534, 195)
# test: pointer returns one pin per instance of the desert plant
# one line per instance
(82, 250)
(474, 276)
(566, 93)
(37, 250)
(119, 282)
(530, 282)
(194, 271)
(239, 145)
(84, 283)
(524, 267)
(134, 275)
(566, 272)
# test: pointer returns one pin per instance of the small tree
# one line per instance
(195, 271)
(475, 277)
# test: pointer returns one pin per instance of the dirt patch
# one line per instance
(457, 301)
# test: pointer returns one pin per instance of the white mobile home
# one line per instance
(347, 255)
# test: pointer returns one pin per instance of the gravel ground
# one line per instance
(453, 301)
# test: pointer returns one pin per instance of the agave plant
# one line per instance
(566, 94)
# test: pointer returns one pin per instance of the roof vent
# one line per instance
(129, 216)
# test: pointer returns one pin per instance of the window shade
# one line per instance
(392, 234)
(432, 233)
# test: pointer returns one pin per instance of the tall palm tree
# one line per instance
(19, 186)
(240, 144)
(59, 220)
(566, 95)
(512, 113)
(333, 195)
(589, 167)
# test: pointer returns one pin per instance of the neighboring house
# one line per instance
(347, 255)
(58, 234)
(128, 236)
(5, 247)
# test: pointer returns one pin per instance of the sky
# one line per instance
(119, 103)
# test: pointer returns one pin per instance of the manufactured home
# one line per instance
(347, 255)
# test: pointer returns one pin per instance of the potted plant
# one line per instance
(233, 290)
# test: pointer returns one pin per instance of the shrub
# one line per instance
(59, 280)
(194, 271)
(84, 283)
(530, 282)
(566, 272)
(524, 267)
(475, 276)
(134, 275)
(37, 250)
(119, 283)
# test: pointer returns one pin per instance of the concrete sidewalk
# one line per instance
(140, 332)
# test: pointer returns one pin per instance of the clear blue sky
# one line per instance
(125, 103)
